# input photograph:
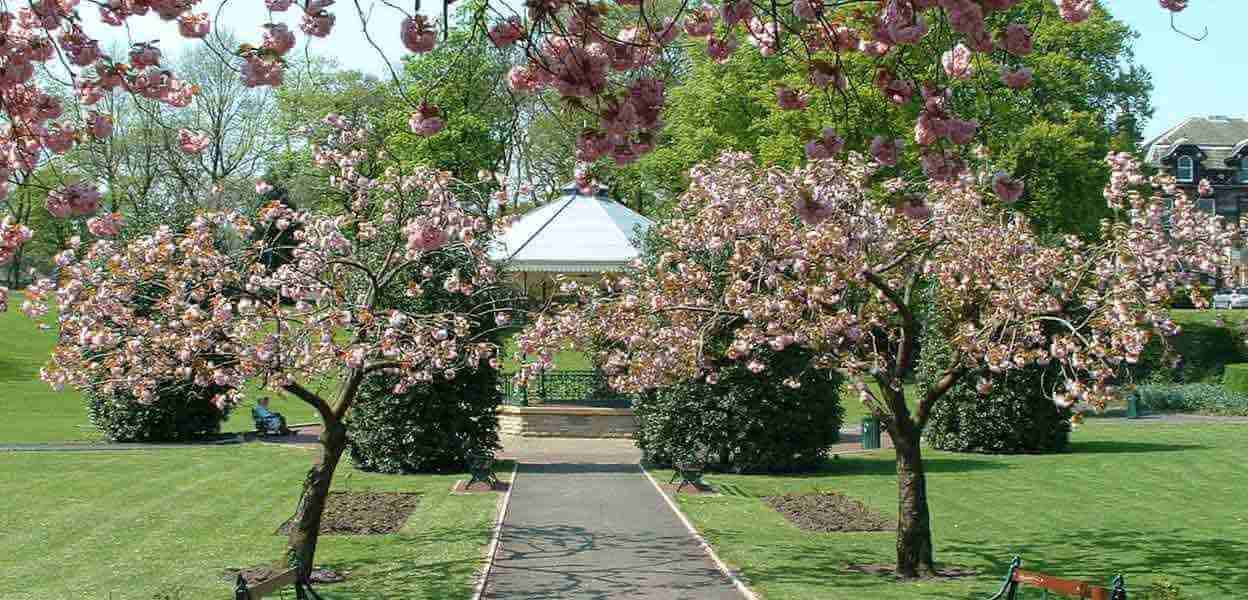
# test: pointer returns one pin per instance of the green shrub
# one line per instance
(429, 429)
(1203, 398)
(1235, 378)
(1017, 417)
(745, 422)
(180, 412)
(1204, 349)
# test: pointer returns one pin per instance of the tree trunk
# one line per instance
(914, 527)
(301, 543)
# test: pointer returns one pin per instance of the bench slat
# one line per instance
(1067, 587)
(271, 585)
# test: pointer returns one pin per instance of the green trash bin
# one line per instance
(870, 433)
(1133, 406)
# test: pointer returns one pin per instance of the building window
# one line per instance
(1186, 170)
(1243, 170)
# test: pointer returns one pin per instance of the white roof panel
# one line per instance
(577, 233)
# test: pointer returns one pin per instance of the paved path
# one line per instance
(596, 531)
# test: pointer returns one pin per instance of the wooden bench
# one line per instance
(273, 585)
(1069, 588)
(481, 468)
(689, 472)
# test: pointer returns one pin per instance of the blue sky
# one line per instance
(1190, 78)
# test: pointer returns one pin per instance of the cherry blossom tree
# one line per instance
(826, 258)
(597, 57)
(203, 307)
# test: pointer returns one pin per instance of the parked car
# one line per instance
(1236, 298)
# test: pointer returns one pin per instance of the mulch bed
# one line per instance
(254, 575)
(364, 513)
(828, 512)
(479, 487)
(882, 570)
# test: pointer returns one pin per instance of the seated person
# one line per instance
(267, 420)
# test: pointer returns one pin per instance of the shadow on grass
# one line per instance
(406, 566)
(1121, 447)
(1206, 567)
(1213, 564)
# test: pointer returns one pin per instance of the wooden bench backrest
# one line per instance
(271, 585)
(1066, 587)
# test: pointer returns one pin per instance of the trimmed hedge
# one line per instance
(1204, 350)
(430, 429)
(1235, 378)
(180, 412)
(745, 422)
(1202, 398)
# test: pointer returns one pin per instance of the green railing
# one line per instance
(573, 388)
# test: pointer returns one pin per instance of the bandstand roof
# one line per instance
(577, 233)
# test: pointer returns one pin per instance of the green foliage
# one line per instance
(1201, 398)
(1088, 97)
(745, 422)
(1235, 378)
(430, 429)
(1017, 417)
(1203, 350)
(180, 412)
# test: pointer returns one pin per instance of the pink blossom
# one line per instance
(317, 23)
(827, 146)
(106, 225)
(886, 150)
(192, 142)
(73, 200)
(424, 236)
(99, 125)
(1007, 188)
(957, 62)
(426, 121)
(263, 187)
(278, 38)
(1174, 5)
(144, 55)
(735, 11)
(12, 236)
(701, 21)
(1017, 79)
(524, 79)
(807, 10)
(194, 25)
(720, 50)
(1075, 11)
(278, 5)
(1017, 39)
(418, 35)
(507, 33)
(791, 99)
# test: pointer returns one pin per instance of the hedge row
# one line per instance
(1204, 398)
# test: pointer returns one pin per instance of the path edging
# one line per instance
(737, 582)
(492, 550)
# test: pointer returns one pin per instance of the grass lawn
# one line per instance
(124, 525)
(1142, 500)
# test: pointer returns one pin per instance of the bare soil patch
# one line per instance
(883, 570)
(364, 513)
(828, 512)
